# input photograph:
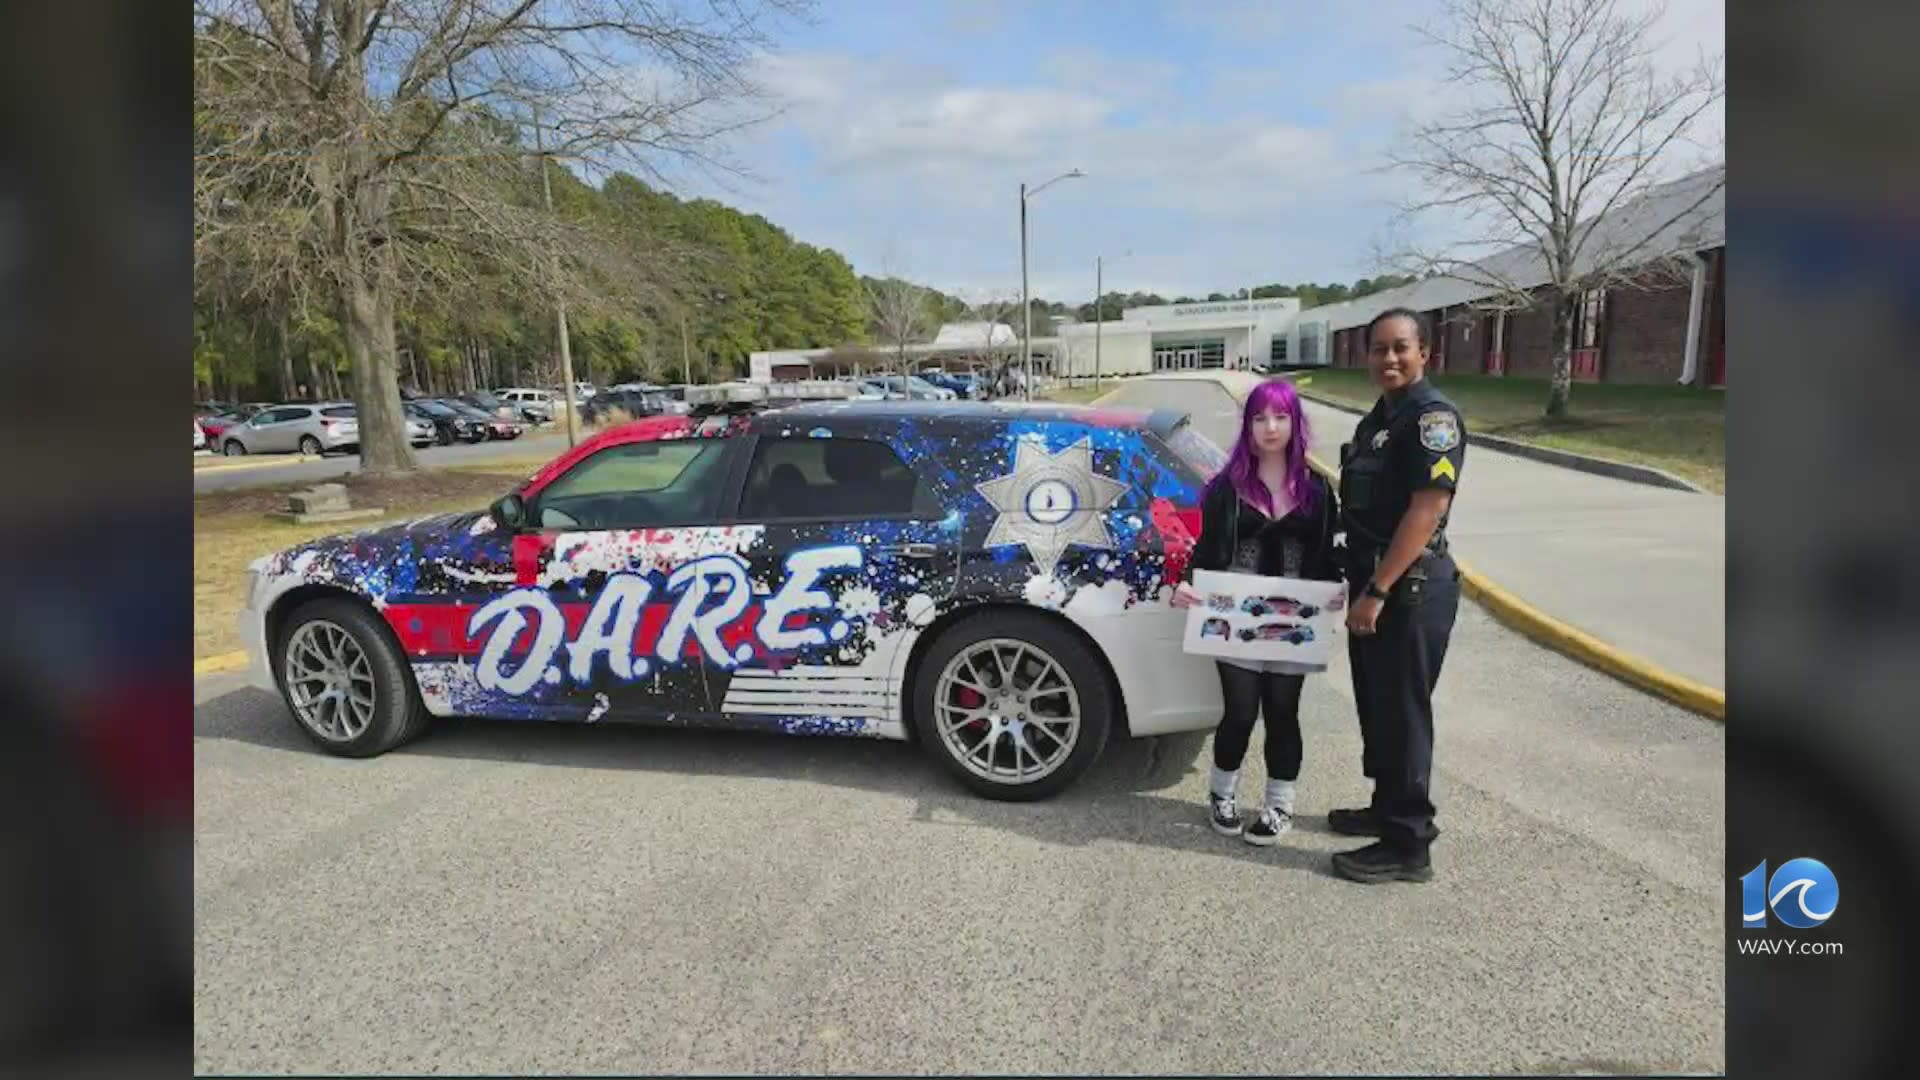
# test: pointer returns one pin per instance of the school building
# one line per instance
(1667, 326)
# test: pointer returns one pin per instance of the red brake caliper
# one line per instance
(968, 698)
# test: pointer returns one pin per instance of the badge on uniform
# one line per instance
(1379, 439)
(1439, 432)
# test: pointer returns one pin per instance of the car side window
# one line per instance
(641, 485)
(837, 479)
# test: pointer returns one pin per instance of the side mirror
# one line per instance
(509, 512)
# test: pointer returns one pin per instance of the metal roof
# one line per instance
(1661, 211)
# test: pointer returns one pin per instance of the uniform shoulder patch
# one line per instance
(1439, 431)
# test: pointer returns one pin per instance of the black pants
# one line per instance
(1394, 672)
(1274, 696)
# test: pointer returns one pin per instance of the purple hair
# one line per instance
(1242, 469)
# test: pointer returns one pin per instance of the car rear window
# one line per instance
(1196, 451)
(339, 412)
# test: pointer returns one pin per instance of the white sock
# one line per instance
(1222, 782)
(1280, 795)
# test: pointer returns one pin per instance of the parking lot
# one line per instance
(516, 898)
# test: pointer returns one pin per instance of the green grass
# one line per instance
(1679, 429)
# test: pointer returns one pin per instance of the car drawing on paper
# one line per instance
(1294, 633)
(1258, 606)
(1215, 628)
(1220, 602)
(989, 580)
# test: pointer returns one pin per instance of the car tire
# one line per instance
(442, 437)
(234, 449)
(396, 714)
(310, 446)
(1076, 665)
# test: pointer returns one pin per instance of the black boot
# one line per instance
(1361, 822)
(1379, 861)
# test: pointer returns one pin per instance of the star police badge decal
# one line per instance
(1439, 432)
(1050, 501)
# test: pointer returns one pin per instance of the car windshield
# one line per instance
(433, 408)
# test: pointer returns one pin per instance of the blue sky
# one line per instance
(1225, 141)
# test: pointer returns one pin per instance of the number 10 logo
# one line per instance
(1803, 893)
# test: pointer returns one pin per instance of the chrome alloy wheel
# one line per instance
(329, 681)
(1007, 711)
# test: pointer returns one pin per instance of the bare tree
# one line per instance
(899, 314)
(377, 151)
(1552, 161)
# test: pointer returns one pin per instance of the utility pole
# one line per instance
(1099, 316)
(566, 345)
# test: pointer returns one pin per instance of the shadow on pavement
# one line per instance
(1140, 791)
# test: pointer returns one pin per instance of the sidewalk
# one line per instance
(1639, 567)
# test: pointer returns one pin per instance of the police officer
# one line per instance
(1397, 481)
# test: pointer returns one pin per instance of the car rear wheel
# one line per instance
(1012, 705)
(345, 680)
(234, 449)
(310, 446)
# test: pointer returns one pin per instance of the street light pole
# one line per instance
(1026, 305)
(1026, 302)
(566, 345)
(1099, 316)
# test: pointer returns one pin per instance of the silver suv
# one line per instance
(308, 429)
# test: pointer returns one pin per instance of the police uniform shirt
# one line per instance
(1399, 448)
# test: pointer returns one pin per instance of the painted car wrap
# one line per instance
(797, 626)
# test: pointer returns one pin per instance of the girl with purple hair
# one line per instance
(1265, 513)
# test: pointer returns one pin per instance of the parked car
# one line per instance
(449, 425)
(285, 429)
(635, 403)
(495, 426)
(989, 585)
(913, 387)
(419, 430)
(199, 437)
(535, 406)
(219, 422)
(480, 399)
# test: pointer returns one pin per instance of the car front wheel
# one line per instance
(1012, 705)
(345, 680)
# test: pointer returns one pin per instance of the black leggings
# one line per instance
(1277, 697)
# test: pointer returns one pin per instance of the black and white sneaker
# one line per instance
(1226, 819)
(1269, 827)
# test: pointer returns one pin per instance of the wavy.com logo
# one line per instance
(1802, 893)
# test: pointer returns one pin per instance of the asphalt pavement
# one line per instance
(503, 898)
(265, 470)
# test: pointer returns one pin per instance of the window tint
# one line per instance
(1198, 452)
(339, 412)
(843, 479)
(638, 485)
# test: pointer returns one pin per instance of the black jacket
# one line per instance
(1224, 519)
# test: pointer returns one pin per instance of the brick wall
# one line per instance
(1459, 330)
(1646, 335)
(1530, 340)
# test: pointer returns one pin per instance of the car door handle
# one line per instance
(912, 551)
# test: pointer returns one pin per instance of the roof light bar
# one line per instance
(750, 393)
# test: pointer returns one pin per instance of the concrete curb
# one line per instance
(1618, 470)
(208, 665)
(1573, 642)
